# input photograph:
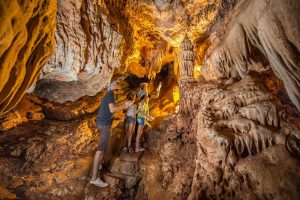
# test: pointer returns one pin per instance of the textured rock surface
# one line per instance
(240, 134)
(152, 31)
(48, 160)
(270, 38)
(234, 135)
(86, 52)
(26, 42)
(158, 27)
(24, 112)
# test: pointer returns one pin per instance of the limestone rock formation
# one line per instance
(226, 121)
(271, 34)
(49, 159)
(187, 61)
(156, 29)
(26, 111)
(242, 135)
(87, 50)
(26, 42)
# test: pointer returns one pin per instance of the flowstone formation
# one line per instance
(242, 138)
(269, 38)
(26, 42)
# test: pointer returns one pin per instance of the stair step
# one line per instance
(113, 181)
(93, 192)
(117, 165)
(131, 157)
(129, 180)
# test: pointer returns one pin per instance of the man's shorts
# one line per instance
(104, 137)
(129, 120)
(140, 121)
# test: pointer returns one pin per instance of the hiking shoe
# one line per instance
(125, 149)
(99, 183)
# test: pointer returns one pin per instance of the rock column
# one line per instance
(186, 65)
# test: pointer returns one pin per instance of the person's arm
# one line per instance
(147, 110)
(155, 94)
(137, 111)
(114, 108)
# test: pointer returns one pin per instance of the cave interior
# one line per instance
(225, 111)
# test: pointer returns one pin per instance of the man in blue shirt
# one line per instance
(104, 121)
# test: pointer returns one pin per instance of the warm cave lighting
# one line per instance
(150, 99)
(197, 71)
(176, 94)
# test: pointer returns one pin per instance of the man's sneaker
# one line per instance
(139, 150)
(98, 182)
(125, 149)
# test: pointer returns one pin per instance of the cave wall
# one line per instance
(230, 134)
(26, 42)
(87, 51)
(228, 142)
(233, 132)
(271, 34)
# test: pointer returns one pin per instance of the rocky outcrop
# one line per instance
(48, 160)
(26, 42)
(269, 38)
(87, 50)
(26, 111)
(242, 138)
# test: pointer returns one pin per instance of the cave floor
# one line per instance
(53, 159)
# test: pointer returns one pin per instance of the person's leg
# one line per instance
(130, 131)
(103, 143)
(138, 137)
(97, 161)
(126, 135)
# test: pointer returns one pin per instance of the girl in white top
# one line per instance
(129, 122)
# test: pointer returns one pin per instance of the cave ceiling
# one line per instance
(96, 39)
(157, 29)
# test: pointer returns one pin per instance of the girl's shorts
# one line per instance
(129, 120)
(140, 121)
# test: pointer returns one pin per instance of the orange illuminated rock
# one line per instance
(87, 51)
(224, 134)
(26, 42)
(25, 111)
(257, 43)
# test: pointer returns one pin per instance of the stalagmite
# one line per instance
(187, 59)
